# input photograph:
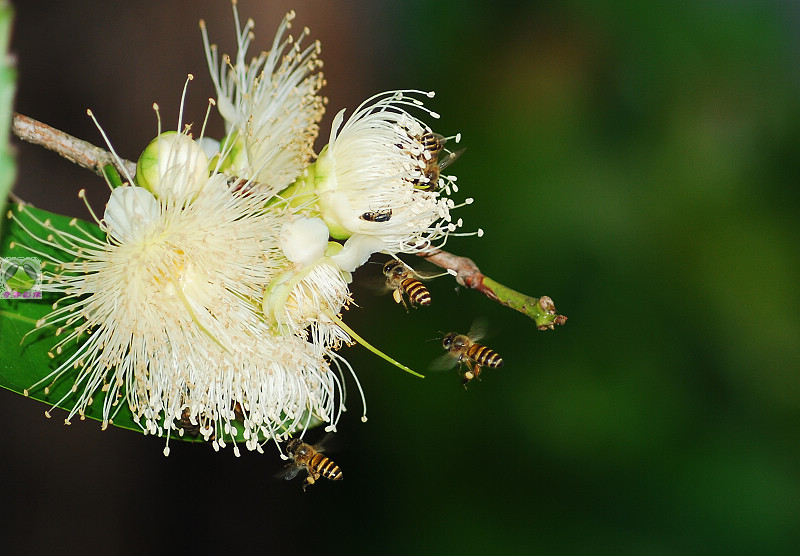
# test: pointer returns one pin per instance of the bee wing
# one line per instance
(424, 270)
(376, 285)
(424, 276)
(372, 281)
(478, 329)
(443, 363)
(329, 443)
(449, 158)
(289, 471)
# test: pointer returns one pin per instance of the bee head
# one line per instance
(389, 266)
(293, 445)
(394, 268)
(447, 341)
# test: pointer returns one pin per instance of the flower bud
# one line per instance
(303, 240)
(128, 210)
(173, 167)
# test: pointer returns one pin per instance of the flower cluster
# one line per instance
(214, 302)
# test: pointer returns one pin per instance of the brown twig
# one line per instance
(467, 273)
(73, 149)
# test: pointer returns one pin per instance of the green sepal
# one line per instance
(235, 151)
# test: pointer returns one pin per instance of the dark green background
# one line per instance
(636, 161)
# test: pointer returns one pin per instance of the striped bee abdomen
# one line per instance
(484, 356)
(416, 291)
(325, 466)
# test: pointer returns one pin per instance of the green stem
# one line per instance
(112, 175)
(369, 346)
(540, 309)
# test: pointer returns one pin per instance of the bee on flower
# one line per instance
(371, 185)
(373, 165)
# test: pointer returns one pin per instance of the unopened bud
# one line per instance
(173, 167)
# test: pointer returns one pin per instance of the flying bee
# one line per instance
(305, 456)
(383, 215)
(465, 350)
(400, 279)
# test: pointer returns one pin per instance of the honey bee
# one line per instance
(186, 426)
(203, 425)
(377, 216)
(400, 279)
(433, 143)
(309, 457)
(465, 350)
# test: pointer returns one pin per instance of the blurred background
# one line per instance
(638, 162)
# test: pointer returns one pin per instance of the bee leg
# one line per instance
(398, 297)
(468, 375)
(477, 371)
(310, 480)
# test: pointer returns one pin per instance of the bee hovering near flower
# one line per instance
(463, 349)
(305, 456)
(400, 279)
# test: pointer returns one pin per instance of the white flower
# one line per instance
(128, 212)
(270, 105)
(166, 313)
(373, 179)
(356, 250)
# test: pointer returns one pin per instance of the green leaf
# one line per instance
(7, 82)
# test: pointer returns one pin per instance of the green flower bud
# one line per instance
(173, 166)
